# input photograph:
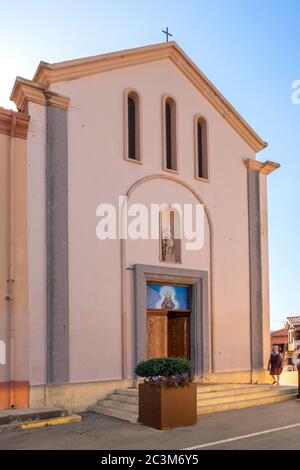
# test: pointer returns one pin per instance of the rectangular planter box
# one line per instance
(167, 407)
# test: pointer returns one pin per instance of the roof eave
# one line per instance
(47, 74)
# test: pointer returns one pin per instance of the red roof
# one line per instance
(293, 320)
(282, 332)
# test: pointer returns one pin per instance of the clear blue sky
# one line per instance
(249, 49)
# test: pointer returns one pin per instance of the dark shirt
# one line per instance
(276, 363)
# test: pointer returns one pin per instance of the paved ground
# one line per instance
(289, 378)
(101, 432)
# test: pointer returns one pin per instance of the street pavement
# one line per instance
(103, 432)
(289, 378)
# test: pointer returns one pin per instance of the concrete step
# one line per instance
(233, 391)
(18, 415)
(123, 403)
(201, 388)
(204, 388)
(116, 413)
(125, 398)
(235, 405)
(132, 392)
(246, 395)
(120, 405)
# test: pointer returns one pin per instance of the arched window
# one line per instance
(133, 124)
(201, 148)
(170, 138)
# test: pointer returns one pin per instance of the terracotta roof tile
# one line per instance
(294, 320)
(282, 332)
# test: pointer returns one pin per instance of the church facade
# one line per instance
(78, 309)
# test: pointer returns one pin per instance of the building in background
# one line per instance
(293, 352)
(14, 314)
(280, 338)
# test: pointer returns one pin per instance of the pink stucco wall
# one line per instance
(98, 173)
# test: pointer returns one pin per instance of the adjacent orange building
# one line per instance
(14, 352)
(280, 338)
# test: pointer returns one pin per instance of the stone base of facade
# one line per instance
(74, 396)
(79, 396)
(259, 376)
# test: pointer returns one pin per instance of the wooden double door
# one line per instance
(168, 333)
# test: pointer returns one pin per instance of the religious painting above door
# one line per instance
(167, 297)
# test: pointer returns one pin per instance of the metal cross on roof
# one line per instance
(167, 34)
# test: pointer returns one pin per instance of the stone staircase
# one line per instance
(123, 403)
(211, 399)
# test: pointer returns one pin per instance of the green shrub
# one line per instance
(163, 366)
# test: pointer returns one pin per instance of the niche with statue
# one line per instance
(170, 236)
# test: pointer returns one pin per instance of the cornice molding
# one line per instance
(13, 124)
(48, 74)
(25, 91)
(56, 100)
(216, 99)
(264, 168)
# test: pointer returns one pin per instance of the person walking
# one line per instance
(275, 364)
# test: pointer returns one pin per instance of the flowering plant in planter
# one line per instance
(165, 371)
(171, 381)
(168, 396)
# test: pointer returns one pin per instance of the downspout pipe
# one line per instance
(11, 267)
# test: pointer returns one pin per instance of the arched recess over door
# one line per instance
(124, 267)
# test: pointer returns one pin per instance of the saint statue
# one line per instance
(168, 245)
